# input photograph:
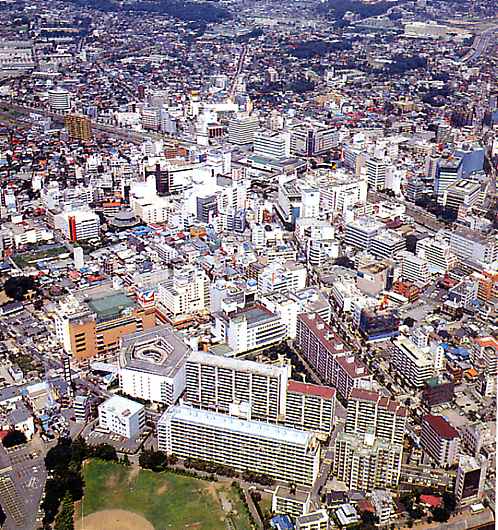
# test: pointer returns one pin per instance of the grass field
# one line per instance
(166, 500)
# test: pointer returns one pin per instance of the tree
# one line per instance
(154, 460)
(125, 460)
(369, 520)
(105, 452)
(17, 287)
(13, 438)
(65, 517)
(440, 515)
(449, 501)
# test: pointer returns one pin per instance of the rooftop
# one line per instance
(159, 351)
(237, 364)
(224, 422)
(325, 392)
(441, 426)
(110, 306)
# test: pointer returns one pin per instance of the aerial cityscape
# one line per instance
(249, 264)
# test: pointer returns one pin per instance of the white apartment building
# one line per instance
(279, 277)
(250, 328)
(371, 412)
(413, 268)
(237, 387)
(438, 254)
(272, 145)
(440, 440)
(310, 407)
(152, 365)
(122, 416)
(387, 244)
(366, 462)
(284, 454)
(186, 292)
(411, 363)
(361, 231)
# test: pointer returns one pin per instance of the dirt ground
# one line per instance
(113, 520)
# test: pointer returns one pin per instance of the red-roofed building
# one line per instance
(439, 440)
(318, 344)
(371, 412)
(310, 407)
(432, 501)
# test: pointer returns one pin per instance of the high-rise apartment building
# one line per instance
(368, 453)
(439, 440)
(241, 388)
(310, 407)
(371, 412)
(78, 127)
(412, 364)
(284, 454)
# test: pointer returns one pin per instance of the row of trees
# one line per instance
(338, 8)
(183, 10)
(159, 461)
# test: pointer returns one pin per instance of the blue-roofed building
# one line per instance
(281, 522)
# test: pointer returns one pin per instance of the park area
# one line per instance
(119, 497)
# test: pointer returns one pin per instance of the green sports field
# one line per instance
(166, 500)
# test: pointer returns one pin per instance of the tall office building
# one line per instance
(59, 99)
(78, 127)
(387, 244)
(438, 254)
(313, 139)
(376, 173)
(463, 193)
(241, 130)
(241, 388)
(250, 328)
(470, 479)
(186, 292)
(448, 171)
(284, 454)
(272, 145)
(78, 225)
(413, 268)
